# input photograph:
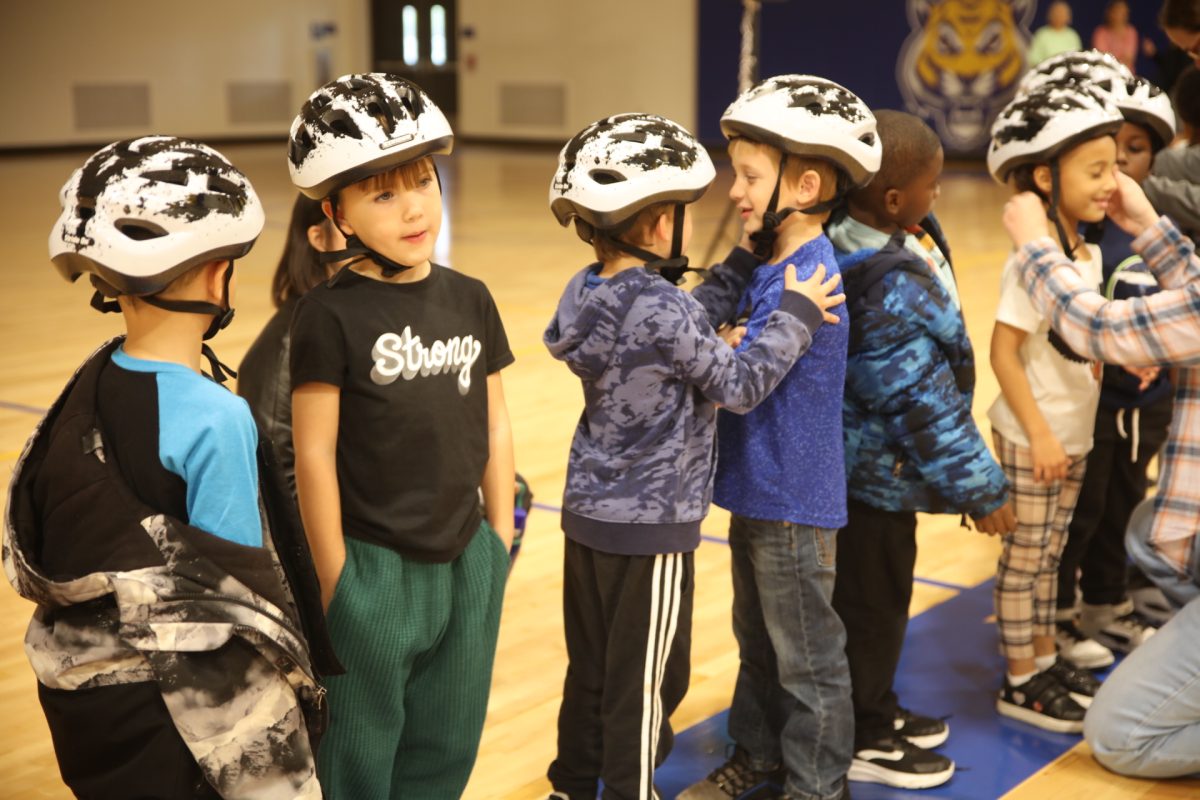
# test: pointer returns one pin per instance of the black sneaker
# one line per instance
(1082, 684)
(895, 761)
(925, 732)
(1041, 701)
(736, 779)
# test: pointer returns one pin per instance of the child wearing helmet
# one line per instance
(1057, 141)
(1135, 403)
(798, 143)
(398, 418)
(177, 601)
(911, 441)
(639, 478)
(1143, 721)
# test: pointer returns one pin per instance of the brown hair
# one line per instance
(299, 267)
(634, 231)
(409, 175)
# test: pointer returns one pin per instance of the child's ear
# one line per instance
(891, 200)
(664, 229)
(339, 221)
(808, 188)
(214, 280)
(1041, 178)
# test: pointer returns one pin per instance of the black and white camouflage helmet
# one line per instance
(360, 125)
(1037, 126)
(809, 116)
(619, 165)
(1140, 101)
(1094, 69)
(141, 212)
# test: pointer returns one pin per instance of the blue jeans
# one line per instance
(1145, 720)
(792, 702)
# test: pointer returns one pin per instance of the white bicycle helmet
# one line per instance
(619, 165)
(809, 116)
(141, 212)
(1140, 101)
(360, 125)
(1037, 126)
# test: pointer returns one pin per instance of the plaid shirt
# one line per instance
(1163, 329)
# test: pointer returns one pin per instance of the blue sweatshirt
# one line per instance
(639, 478)
(784, 460)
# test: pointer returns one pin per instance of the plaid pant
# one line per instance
(1027, 575)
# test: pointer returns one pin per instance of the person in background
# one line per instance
(1056, 36)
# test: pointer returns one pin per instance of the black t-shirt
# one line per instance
(412, 361)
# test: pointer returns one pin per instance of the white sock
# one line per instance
(1044, 663)
(1018, 680)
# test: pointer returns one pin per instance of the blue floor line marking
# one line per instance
(704, 537)
(547, 507)
(950, 667)
(941, 584)
(22, 408)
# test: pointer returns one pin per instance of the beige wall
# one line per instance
(607, 57)
(598, 59)
(185, 53)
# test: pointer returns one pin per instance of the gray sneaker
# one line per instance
(736, 780)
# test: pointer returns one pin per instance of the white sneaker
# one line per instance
(1152, 604)
(1081, 651)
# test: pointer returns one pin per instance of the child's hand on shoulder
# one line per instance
(1050, 461)
(1145, 375)
(817, 289)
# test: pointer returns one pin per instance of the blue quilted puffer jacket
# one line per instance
(911, 442)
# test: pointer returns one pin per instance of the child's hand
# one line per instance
(732, 334)
(1001, 521)
(1050, 461)
(1128, 206)
(817, 289)
(1146, 375)
(1025, 218)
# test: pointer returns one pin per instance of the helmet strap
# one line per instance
(357, 250)
(764, 238)
(1052, 208)
(671, 268)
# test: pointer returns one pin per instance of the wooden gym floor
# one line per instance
(501, 231)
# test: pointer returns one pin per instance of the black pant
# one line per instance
(876, 554)
(1113, 484)
(628, 623)
(118, 742)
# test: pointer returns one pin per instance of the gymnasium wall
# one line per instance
(83, 71)
(542, 69)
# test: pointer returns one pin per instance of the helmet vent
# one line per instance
(222, 186)
(604, 177)
(868, 139)
(339, 122)
(175, 176)
(139, 230)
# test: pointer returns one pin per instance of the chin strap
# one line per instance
(1052, 208)
(764, 238)
(221, 314)
(673, 267)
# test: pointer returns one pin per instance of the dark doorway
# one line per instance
(417, 39)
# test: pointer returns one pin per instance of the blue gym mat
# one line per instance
(950, 667)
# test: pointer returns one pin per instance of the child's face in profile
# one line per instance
(400, 221)
(755, 168)
(914, 202)
(1087, 179)
(1134, 151)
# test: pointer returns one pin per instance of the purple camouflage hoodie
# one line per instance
(640, 474)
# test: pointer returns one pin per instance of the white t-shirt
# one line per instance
(1066, 391)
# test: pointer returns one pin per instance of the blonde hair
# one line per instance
(409, 175)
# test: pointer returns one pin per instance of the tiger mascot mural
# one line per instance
(961, 63)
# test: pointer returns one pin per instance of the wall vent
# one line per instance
(111, 105)
(536, 105)
(252, 102)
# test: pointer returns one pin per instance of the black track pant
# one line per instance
(628, 623)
